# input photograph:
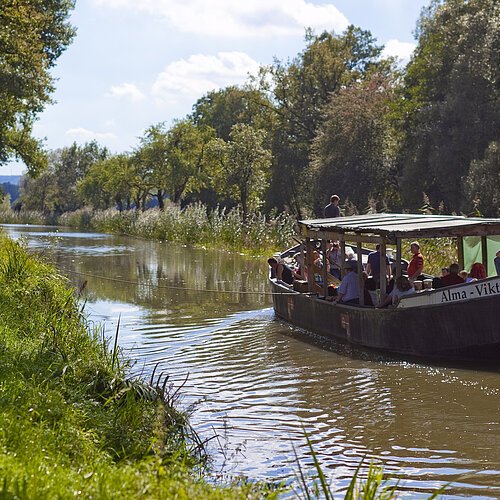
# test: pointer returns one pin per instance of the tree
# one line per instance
(352, 152)
(299, 90)
(482, 184)
(151, 165)
(33, 34)
(241, 165)
(108, 183)
(55, 190)
(450, 105)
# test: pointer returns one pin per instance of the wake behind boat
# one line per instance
(454, 322)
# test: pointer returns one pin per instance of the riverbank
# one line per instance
(255, 234)
(72, 423)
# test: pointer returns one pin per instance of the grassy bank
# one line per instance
(71, 423)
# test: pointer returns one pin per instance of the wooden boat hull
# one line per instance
(458, 330)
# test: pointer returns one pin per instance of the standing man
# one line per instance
(416, 265)
(332, 209)
(373, 265)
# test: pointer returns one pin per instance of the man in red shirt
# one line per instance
(416, 265)
(453, 278)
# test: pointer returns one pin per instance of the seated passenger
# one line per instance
(477, 271)
(453, 278)
(280, 271)
(348, 291)
(402, 288)
(299, 270)
(463, 274)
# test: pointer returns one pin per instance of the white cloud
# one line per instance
(193, 77)
(128, 91)
(83, 135)
(401, 50)
(236, 18)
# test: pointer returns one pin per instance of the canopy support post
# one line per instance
(361, 281)
(324, 269)
(460, 252)
(383, 271)
(484, 252)
(309, 265)
(398, 258)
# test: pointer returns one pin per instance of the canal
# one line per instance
(257, 383)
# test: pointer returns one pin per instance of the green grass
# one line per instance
(71, 422)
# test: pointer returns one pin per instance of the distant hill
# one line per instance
(11, 179)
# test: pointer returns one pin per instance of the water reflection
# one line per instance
(256, 381)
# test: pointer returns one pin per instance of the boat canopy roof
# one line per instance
(389, 227)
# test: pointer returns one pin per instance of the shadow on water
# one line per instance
(256, 381)
(377, 356)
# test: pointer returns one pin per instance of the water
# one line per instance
(257, 382)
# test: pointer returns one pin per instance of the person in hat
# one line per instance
(348, 291)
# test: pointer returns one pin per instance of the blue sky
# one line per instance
(135, 63)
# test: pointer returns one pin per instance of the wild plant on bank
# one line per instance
(195, 225)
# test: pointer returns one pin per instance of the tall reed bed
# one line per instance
(229, 229)
(72, 423)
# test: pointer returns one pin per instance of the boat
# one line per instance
(460, 322)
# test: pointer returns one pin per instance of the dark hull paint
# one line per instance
(461, 330)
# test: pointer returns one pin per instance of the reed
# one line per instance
(254, 234)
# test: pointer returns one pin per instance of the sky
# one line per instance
(135, 63)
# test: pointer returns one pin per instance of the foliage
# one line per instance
(107, 183)
(299, 90)
(33, 34)
(450, 102)
(483, 181)
(55, 190)
(351, 150)
(241, 165)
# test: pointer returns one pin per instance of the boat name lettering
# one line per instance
(479, 290)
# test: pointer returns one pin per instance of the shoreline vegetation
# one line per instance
(255, 234)
(73, 424)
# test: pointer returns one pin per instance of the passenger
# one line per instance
(373, 265)
(348, 291)
(477, 271)
(335, 259)
(453, 278)
(299, 270)
(402, 288)
(332, 293)
(332, 210)
(463, 274)
(445, 271)
(280, 271)
(496, 260)
(416, 265)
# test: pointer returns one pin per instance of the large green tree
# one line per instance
(450, 106)
(353, 150)
(33, 34)
(240, 166)
(299, 90)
